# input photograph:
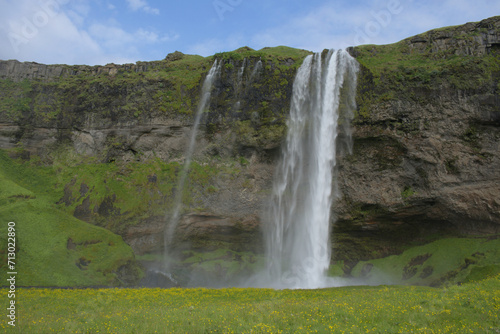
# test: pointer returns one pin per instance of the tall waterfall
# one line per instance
(299, 217)
(204, 100)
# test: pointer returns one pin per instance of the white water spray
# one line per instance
(204, 100)
(297, 235)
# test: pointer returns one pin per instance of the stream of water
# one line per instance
(299, 218)
(173, 220)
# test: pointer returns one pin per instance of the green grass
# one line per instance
(470, 308)
(52, 247)
(284, 52)
(425, 68)
(114, 194)
(278, 52)
(439, 262)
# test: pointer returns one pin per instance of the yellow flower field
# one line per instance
(469, 308)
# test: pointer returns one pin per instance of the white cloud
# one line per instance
(348, 23)
(33, 32)
(61, 34)
(136, 5)
(211, 46)
(113, 36)
(153, 37)
(324, 27)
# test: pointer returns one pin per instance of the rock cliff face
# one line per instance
(142, 117)
(17, 71)
(425, 158)
(425, 154)
(471, 39)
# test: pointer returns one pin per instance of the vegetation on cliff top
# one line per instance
(423, 63)
(170, 86)
(278, 54)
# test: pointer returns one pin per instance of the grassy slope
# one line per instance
(468, 308)
(138, 189)
(136, 197)
(43, 256)
(446, 260)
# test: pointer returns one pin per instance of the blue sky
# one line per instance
(111, 31)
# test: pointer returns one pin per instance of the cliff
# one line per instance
(425, 154)
(424, 161)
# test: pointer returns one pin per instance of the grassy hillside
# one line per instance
(52, 247)
(449, 260)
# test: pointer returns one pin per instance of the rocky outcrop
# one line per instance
(471, 39)
(426, 141)
(443, 173)
(19, 71)
(206, 231)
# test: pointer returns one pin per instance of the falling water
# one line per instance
(297, 236)
(239, 82)
(256, 70)
(241, 70)
(205, 98)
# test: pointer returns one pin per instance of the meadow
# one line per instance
(469, 308)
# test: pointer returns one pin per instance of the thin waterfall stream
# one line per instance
(173, 220)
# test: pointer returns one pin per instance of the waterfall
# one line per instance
(241, 70)
(256, 70)
(238, 85)
(204, 100)
(299, 217)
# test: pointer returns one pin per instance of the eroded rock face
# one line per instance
(166, 138)
(204, 231)
(199, 232)
(19, 71)
(146, 237)
(447, 164)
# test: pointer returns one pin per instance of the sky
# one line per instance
(97, 32)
